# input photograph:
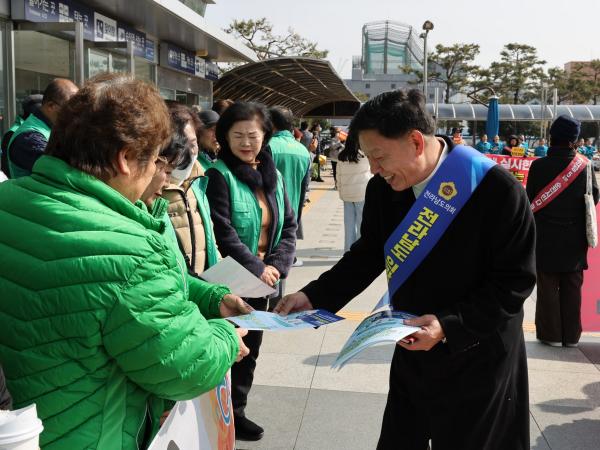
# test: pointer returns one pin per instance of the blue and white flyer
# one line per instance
(262, 320)
(381, 327)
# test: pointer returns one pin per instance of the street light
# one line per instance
(427, 27)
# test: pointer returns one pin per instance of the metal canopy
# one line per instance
(465, 111)
(309, 87)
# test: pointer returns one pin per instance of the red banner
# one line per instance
(518, 166)
(590, 306)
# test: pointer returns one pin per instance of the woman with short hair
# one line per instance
(254, 224)
(99, 322)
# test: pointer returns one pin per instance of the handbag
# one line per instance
(591, 226)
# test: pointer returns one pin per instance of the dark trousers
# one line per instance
(558, 308)
(242, 373)
(476, 399)
(334, 170)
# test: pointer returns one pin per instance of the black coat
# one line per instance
(282, 256)
(475, 281)
(561, 241)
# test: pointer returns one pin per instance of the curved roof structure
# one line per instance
(467, 111)
(309, 87)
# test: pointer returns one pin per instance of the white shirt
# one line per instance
(419, 188)
(2, 177)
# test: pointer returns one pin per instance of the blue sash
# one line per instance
(432, 213)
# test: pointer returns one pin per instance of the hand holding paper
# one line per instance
(232, 305)
(244, 351)
(293, 303)
(427, 337)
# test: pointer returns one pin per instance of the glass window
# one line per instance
(144, 70)
(367, 85)
(119, 63)
(97, 62)
(39, 58)
(167, 94)
(393, 85)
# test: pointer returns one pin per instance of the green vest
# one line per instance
(204, 160)
(246, 214)
(32, 123)
(292, 160)
(199, 189)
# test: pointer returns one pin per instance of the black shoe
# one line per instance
(320, 180)
(246, 430)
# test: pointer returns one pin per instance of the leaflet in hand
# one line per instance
(382, 327)
(239, 279)
(262, 320)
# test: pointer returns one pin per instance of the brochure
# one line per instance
(239, 279)
(262, 320)
(381, 327)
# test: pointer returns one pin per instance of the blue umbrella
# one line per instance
(493, 118)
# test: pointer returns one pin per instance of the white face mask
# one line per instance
(180, 175)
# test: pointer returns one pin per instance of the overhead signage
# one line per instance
(127, 34)
(177, 58)
(61, 11)
(212, 71)
(200, 68)
(150, 49)
(106, 28)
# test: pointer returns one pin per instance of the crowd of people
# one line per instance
(117, 202)
(518, 142)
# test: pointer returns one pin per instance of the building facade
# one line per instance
(389, 51)
(166, 42)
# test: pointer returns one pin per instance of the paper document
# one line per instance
(382, 327)
(239, 279)
(262, 320)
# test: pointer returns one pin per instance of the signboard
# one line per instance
(203, 423)
(127, 34)
(518, 166)
(105, 28)
(212, 71)
(150, 50)
(200, 67)
(517, 151)
(590, 305)
(178, 58)
(60, 11)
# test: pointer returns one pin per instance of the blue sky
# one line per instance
(561, 30)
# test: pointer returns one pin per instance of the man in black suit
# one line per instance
(562, 247)
(462, 382)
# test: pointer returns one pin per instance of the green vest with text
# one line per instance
(32, 123)
(246, 214)
(292, 160)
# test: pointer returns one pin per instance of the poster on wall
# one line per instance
(518, 166)
(200, 67)
(205, 422)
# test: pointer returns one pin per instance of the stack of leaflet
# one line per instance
(381, 327)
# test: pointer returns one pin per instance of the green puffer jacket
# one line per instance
(95, 322)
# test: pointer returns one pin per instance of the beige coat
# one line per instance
(187, 221)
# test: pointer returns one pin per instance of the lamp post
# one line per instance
(427, 27)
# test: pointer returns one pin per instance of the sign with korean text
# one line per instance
(518, 166)
(200, 70)
(212, 71)
(150, 49)
(105, 28)
(60, 11)
(517, 151)
(127, 34)
(178, 58)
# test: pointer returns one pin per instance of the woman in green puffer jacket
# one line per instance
(99, 320)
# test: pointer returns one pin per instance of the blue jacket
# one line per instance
(541, 151)
(483, 147)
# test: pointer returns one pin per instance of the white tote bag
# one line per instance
(591, 226)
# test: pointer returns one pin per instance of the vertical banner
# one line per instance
(590, 305)
(518, 166)
(204, 423)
